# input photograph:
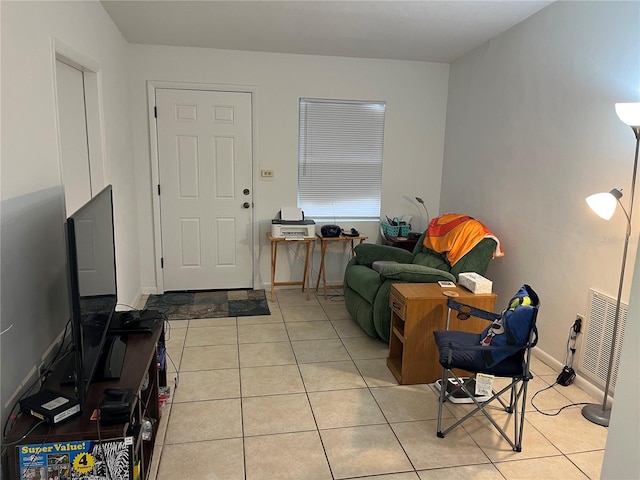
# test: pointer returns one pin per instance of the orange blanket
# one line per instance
(455, 235)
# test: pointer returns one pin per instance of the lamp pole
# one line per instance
(599, 414)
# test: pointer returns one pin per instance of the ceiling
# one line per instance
(423, 30)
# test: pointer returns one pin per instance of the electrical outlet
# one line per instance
(580, 316)
(268, 173)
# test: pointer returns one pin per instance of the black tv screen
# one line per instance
(92, 282)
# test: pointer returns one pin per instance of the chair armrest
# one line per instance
(503, 348)
(367, 253)
(411, 273)
(351, 263)
(467, 311)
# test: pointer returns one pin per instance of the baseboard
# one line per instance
(267, 287)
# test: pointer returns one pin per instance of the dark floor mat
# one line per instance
(210, 304)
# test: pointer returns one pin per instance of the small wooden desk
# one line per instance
(324, 243)
(274, 254)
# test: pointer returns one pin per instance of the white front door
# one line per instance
(205, 171)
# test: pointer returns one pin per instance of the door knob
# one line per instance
(246, 205)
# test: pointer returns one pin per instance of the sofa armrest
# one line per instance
(367, 253)
(353, 261)
(410, 273)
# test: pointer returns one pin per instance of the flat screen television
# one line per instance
(92, 287)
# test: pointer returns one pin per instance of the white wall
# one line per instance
(415, 93)
(29, 140)
(34, 297)
(531, 131)
(621, 454)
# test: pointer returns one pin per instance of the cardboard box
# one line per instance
(475, 282)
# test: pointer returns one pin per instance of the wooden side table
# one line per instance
(324, 243)
(400, 242)
(417, 310)
(274, 254)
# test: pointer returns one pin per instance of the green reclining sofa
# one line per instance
(366, 291)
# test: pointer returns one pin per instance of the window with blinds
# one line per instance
(340, 158)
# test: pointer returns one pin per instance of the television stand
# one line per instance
(143, 373)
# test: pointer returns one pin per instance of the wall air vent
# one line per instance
(596, 343)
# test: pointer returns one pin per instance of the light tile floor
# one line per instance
(304, 394)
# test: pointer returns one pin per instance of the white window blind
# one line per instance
(340, 158)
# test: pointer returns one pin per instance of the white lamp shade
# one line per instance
(629, 113)
(604, 204)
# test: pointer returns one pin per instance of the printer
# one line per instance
(292, 224)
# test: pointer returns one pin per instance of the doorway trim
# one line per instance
(92, 79)
(152, 86)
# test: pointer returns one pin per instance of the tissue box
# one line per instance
(475, 282)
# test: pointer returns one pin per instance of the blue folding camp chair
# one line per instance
(503, 349)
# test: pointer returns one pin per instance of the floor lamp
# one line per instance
(421, 202)
(604, 204)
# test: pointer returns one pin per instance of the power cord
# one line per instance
(167, 329)
(561, 408)
(314, 273)
(16, 442)
(167, 337)
(568, 374)
(134, 309)
(33, 457)
(102, 450)
(177, 377)
(57, 357)
(42, 376)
